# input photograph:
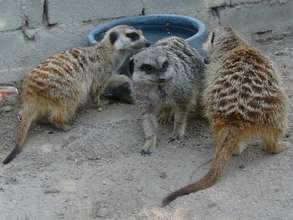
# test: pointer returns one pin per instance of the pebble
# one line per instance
(103, 212)
(6, 108)
(163, 175)
(242, 166)
(52, 191)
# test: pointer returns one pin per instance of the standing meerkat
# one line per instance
(244, 98)
(167, 75)
(65, 81)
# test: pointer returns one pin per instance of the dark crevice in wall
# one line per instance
(142, 12)
(46, 15)
(24, 28)
(215, 12)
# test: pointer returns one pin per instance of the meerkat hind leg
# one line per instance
(273, 143)
(60, 118)
(165, 115)
(179, 124)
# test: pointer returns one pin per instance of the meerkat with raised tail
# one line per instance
(167, 75)
(59, 85)
(244, 98)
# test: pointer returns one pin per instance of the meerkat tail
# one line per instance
(25, 124)
(222, 156)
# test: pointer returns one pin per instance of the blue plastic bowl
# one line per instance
(159, 26)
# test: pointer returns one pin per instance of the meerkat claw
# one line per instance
(144, 152)
(149, 146)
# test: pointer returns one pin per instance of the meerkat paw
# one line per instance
(99, 108)
(165, 116)
(164, 119)
(63, 127)
(19, 116)
(176, 137)
(239, 149)
(149, 146)
(276, 148)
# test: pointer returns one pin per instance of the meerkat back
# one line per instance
(244, 98)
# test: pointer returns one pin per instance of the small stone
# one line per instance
(50, 132)
(52, 191)
(100, 210)
(103, 212)
(241, 166)
(212, 205)
(6, 108)
(139, 189)
(163, 175)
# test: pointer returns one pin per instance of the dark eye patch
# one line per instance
(133, 36)
(113, 37)
(165, 65)
(146, 68)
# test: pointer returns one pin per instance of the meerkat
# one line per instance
(244, 97)
(59, 85)
(167, 76)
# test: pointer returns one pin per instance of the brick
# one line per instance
(217, 3)
(33, 9)
(237, 2)
(258, 17)
(78, 11)
(17, 53)
(10, 15)
(172, 6)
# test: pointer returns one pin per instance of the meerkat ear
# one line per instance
(113, 37)
(131, 67)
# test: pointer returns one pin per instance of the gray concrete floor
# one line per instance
(95, 170)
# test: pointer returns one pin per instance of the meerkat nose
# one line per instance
(147, 44)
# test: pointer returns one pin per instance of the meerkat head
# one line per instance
(151, 66)
(125, 38)
(220, 40)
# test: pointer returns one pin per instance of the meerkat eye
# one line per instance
(146, 68)
(165, 65)
(133, 36)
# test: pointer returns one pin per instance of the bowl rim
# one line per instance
(199, 25)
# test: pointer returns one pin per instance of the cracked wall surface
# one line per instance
(31, 30)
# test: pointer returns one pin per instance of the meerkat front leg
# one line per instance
(96, 97)
(150, 127)
(179, 123)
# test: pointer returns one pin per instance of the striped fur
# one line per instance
(244, 98)
(58, 86)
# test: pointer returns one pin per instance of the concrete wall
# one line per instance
(31, 30)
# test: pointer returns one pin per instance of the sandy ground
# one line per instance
(95, 170)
